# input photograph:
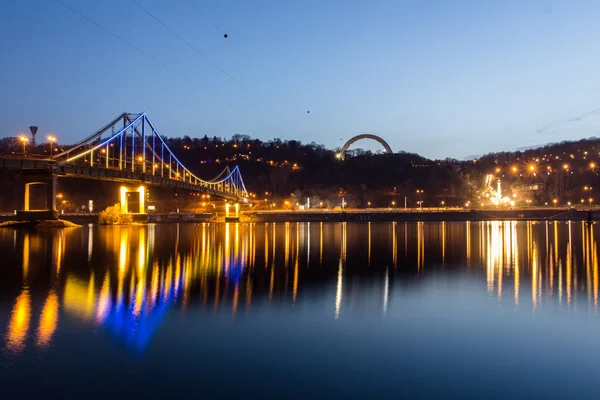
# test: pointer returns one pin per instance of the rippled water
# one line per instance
(298, 310)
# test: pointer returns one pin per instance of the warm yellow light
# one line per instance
(23, 139)
(565, 166)
(123, 198)
(514, 169)
(48, 320)
(51, 138)
(592, 165)
(18, 325)
(140, 158)
(338, 155)
(142, 192)
(497, 169)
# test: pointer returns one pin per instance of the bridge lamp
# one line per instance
(51, 139)
(555, 201)
(140, 158)
(393, 203)
(592, 165)
(338, 156)
(368, 204)
(23, 139)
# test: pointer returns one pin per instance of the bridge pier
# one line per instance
(33, 178)
(232, 216)
(139, 192)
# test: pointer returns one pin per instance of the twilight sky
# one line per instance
(441, 78)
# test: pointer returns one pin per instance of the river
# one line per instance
(301, 310)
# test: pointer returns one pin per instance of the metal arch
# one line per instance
(376, 138)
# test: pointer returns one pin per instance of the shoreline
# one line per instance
(355, 216)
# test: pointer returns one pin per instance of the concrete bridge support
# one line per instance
(232, 215)
(139, 192)
(33, 178)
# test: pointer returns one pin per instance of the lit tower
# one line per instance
(33, 130)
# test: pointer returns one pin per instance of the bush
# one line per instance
(112, 215)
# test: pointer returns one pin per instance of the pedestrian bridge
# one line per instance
(130, 150)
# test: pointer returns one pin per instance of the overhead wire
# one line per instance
(205, 57)
(147, 55)
(222, 32)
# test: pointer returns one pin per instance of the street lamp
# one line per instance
(393, 203)
(23, 139)
(51, 139)
(555, 201)
(369, 204)
(420, 193)
(590, 200)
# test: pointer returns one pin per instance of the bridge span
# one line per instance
(129, 150)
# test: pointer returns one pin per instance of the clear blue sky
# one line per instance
(441, 78)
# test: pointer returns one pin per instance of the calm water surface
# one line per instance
(298, 310)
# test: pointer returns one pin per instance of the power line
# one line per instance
(217, 28)
(204, 56)
(147, 55)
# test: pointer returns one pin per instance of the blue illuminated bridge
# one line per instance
(130, 150)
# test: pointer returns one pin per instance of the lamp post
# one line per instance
(24, 140)
(51, 139)
(420, 193)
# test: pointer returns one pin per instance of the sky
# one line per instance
(439, 78)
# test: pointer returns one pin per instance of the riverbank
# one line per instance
(379, 215)
(39, 224)
(553, 214)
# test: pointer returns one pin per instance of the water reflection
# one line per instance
(126, 279)
(18, 325)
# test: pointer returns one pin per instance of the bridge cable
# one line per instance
(205, 57)
(148, 55)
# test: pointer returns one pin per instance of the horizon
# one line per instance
(428, 78)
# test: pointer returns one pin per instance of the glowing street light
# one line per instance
(23, 139)
(369, 204)
(393, 203)
(555, 201)
(514, 170)
(51, 139)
